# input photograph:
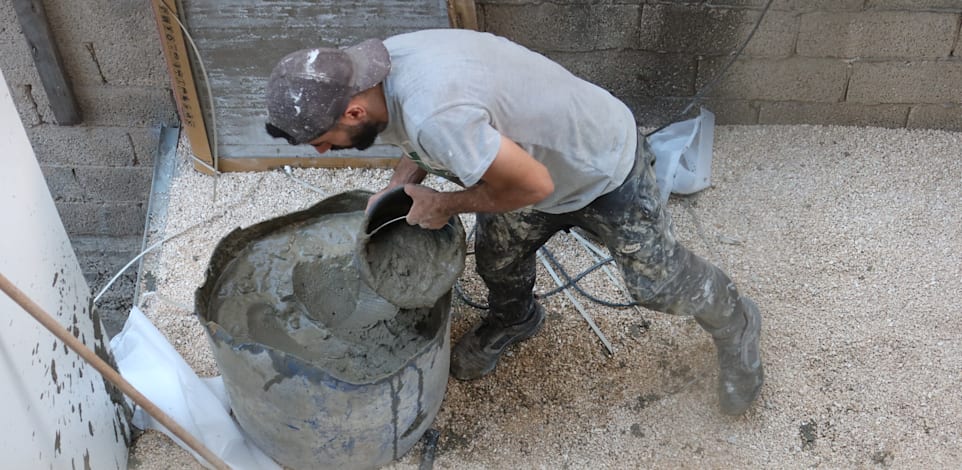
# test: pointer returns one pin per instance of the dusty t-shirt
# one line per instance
(452, 93)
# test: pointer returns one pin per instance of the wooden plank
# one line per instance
(46, 56)
(273, 163)
(463, 14)
(182, 82)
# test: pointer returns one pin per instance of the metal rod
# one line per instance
(581, 309)
(597, 255)
(108, 372)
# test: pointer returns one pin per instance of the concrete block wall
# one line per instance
(99, 171)
(888, 63)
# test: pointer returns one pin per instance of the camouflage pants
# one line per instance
(632, 222)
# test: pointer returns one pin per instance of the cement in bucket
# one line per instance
(310, 388)
(409, 266)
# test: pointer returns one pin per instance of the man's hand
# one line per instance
(374, 197)
(425, 212)
(405, 172)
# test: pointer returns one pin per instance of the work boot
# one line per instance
(477, 352)
(740, 363)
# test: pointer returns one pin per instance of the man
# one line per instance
(537, 150)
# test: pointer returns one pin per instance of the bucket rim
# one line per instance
(238, 239)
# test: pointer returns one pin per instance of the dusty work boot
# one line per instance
(740, 364)
(477, 352)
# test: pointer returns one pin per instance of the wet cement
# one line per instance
(298, 290)
(411, 266)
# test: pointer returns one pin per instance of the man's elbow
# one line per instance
(542, 189)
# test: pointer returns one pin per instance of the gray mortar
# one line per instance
(409, 266)
(294, 289)
(413, 267)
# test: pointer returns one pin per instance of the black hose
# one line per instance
(569, 282)
(708, 86)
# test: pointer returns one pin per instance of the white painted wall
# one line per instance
(56, 411)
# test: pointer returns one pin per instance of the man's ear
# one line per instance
(355, 113)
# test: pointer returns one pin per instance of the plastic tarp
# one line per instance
(148, 361)
(683, 153)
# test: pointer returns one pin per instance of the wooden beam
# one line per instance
(463, 14)
(182, 81)
(273, 163)
(46, 56)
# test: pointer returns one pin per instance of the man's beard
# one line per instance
(362, 136)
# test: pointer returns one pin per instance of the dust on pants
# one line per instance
(636, 227)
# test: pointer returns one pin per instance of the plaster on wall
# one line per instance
(58, 411)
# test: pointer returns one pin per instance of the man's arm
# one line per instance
(514, 180)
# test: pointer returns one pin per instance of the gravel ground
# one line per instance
(849, 239)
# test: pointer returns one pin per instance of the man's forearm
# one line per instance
(406, 171)
(512, 181)
(485, 198)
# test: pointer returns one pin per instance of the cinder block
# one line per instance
(715, 31)
(733, 112)
(31, 103)
(932, 116)
(124, 219)
(129, 63)
(91, 146)
(8, 17)
(949, 5)
(101, 41)
(22, 78)
(841, 114)
(80, 218)
(80, 67)
(551, 27)
(103, 219)
(92, 20)
(651, 113)
(146, 142)
(797, 78)
(123, 63)
(775, 37)
(62, 183)
(17, 63)
(795, 5)
(110, 184)
(633, 73)
(481, 3)
(126, 106)
(909, 34)
(909, 82)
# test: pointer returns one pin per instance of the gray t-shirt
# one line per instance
(452, 93)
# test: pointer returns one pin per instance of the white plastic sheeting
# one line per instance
(683, 153)
(147, 360)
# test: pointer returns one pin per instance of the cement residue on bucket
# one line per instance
(297, 290)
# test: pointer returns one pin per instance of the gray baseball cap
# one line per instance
(309, 89)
